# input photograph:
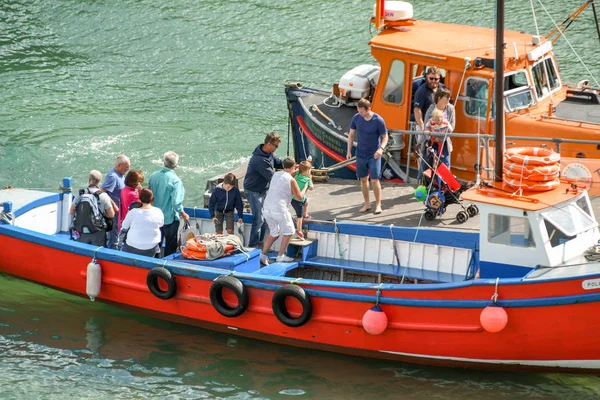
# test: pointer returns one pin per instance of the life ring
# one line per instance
(280, 309)
(532, 156)
(529, 170)
(237, 287)
(201, 255)
(152, 282)
(534, 176)
(531, 185)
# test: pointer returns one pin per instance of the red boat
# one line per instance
(522, 294)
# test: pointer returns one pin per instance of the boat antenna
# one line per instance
(595, 18)
(499, 91)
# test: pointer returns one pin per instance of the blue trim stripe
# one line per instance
(53, 198)
(203, 214)
(272, 283)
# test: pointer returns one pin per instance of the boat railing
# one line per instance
(484, 145)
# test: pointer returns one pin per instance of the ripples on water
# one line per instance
(56, 346)
(83, 81)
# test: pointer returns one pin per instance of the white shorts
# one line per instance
(279, 222)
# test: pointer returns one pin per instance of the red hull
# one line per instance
(537, 336)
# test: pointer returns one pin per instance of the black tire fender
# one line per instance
(280, 310)
(152, 282)
(237, 287)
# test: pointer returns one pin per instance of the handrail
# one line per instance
(486, 138)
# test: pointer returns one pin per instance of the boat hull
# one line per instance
(548, 321)
(324, 143)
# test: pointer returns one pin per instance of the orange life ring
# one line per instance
(535, 177)
(193, 245)
(531, 168)
(532, 156)
(528, 170)
(532, 186)
(201, 255)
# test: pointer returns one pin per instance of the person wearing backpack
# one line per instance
(90, 210)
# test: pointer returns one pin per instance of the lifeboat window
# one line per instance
(510, 231)
(556, 236)
(570, 219)
(394, 87)
(517, 91)
(543, 85)
(476, 100)
(584, 204)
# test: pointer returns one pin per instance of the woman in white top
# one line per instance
(144, 225)
(276, 212)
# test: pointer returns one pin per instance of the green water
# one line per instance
(83, 81)
(57, 346)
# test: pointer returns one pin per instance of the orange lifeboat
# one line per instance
(531, 169)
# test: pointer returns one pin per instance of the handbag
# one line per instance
(186, 234)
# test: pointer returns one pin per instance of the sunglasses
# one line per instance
(434, 79)
(275, 145)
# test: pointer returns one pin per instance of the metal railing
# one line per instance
(484, 142)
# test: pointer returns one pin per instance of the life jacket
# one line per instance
(88, 218)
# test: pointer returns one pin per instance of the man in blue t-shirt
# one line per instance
(113, 184)
(372, 139)
(423, 97)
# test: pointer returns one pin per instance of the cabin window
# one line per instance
(517, 91)
(556, 236)
(394, 87)
(545, 84)
(570, 219)
(510, 231)
(476, 97)
(584, 204)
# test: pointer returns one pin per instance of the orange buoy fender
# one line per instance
(375, 321)
(532, 156)
(493, 319)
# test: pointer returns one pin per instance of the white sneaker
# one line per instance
(284, 258)
(264, 260)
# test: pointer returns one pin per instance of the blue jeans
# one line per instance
(259, 227)
(112, 237)
(169, 233)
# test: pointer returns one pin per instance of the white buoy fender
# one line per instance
(94, 280)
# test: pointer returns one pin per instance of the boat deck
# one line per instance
(342, 199)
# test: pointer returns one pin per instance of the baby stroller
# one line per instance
(443, 188)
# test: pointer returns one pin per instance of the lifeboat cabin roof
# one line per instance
(500, 194)
(446, 41)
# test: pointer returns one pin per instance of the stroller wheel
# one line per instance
(472, 210)
(462, 217)
(430, 215)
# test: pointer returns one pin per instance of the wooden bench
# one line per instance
(384, 269)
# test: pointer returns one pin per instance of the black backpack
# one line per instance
(88, 218)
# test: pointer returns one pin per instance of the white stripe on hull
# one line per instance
(580, 364)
